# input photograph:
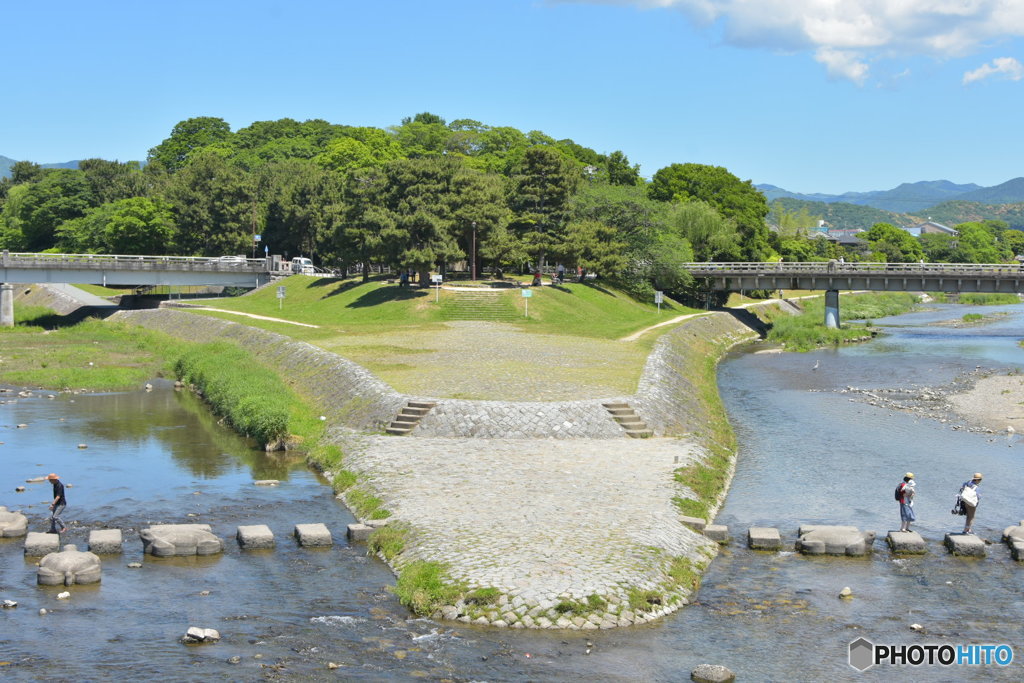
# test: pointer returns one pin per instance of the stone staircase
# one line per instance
(488, 305)
(627, 418)
(408, 417)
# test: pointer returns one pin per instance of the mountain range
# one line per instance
(7, 162)
(910, 198)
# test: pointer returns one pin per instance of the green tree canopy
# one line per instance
(187, 137)
(733, 198)
(135, 225)
(893, 245)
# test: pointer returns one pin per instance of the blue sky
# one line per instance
(810, 95)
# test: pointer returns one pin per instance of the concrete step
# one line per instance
(635, 423)
(398, 431)
(406, 420)
(615, 406)
(639, 433)
(622, 412)
(413, 412)
(421, 404)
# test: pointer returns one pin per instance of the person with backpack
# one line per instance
(969, 498)
(905, 492)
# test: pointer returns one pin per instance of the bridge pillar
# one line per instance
(6, 305)
(832, 309)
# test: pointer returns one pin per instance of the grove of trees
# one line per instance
(420, 195)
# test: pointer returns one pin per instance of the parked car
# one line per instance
(303, 266)
(229, 259)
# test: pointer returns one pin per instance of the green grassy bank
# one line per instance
(807, 331)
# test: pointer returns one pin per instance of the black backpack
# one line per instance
(899, 491)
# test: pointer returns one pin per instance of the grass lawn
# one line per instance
(566, 349)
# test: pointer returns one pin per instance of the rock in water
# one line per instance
(712, 673)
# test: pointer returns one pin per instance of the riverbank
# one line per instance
(556, 531)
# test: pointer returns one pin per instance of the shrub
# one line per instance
(424, 586)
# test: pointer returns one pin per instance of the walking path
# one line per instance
(248, 315)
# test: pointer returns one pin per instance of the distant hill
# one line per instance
(845, 216)
(905, 198)
(7, 162)
(951, 213)
(1010, 192)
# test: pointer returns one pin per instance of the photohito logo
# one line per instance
(864, 654)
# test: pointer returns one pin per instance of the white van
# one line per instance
(303, 266)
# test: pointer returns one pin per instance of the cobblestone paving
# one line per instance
(540, 520)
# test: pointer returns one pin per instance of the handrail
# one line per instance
(130, 261)
(837, 268)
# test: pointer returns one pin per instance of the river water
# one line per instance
(808, 454)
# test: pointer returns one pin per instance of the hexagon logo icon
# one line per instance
(862, 654)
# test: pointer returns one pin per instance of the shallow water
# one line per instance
(808, 454)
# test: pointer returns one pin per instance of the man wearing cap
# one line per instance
(907, 491)
(58, 505)
(970, 497)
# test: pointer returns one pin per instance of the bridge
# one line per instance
(833, 276)
(129, 270)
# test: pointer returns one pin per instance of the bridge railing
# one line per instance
(713, 268)
(131, 262)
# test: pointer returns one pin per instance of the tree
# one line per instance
(478, 209)
(593, 245)
(619, 171)
(539, 196)
(61, 195)
(977, 243)
(892, 244)
(713, 237)
(136, 225)
(112, 180)
(187, 137)
(359, 241)
(360, 148)
(212, 204)
(733, 198)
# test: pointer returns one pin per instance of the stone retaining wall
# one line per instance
(667, 398)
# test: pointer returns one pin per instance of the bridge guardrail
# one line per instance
(131, 262)
(713, 268)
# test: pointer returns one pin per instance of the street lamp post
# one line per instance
(473, 266)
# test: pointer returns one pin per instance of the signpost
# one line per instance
(437, 280)
(658, 298)
(527, 293)
(255, 239)
(280, 296)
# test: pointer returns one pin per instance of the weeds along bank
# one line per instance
(678, 396)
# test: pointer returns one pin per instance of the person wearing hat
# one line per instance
(969, 498)
(906, 492)
(58, 505)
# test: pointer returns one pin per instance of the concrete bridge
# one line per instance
(129, 270)
(833, 276)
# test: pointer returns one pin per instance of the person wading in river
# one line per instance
(58, 505)
(907, 491)
(969, 498)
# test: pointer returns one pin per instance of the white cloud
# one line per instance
(842, 64)
(846, 34)
(1005, 67)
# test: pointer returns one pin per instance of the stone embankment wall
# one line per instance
(347, 393)
(668, 397)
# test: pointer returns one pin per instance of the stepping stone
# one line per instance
(313, 535)
(266, 482)
(68, 567)
(255, 537)
(1014, 537)
(906, 543)
(376, 523)
(764, 538)
(105, 541)
(718, 533)
(359, 532)
(695, 523)
(966, 545)
(12, 524)
(38, 544)
(818, 539)
(166, 540)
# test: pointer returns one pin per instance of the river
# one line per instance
(808, 454)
